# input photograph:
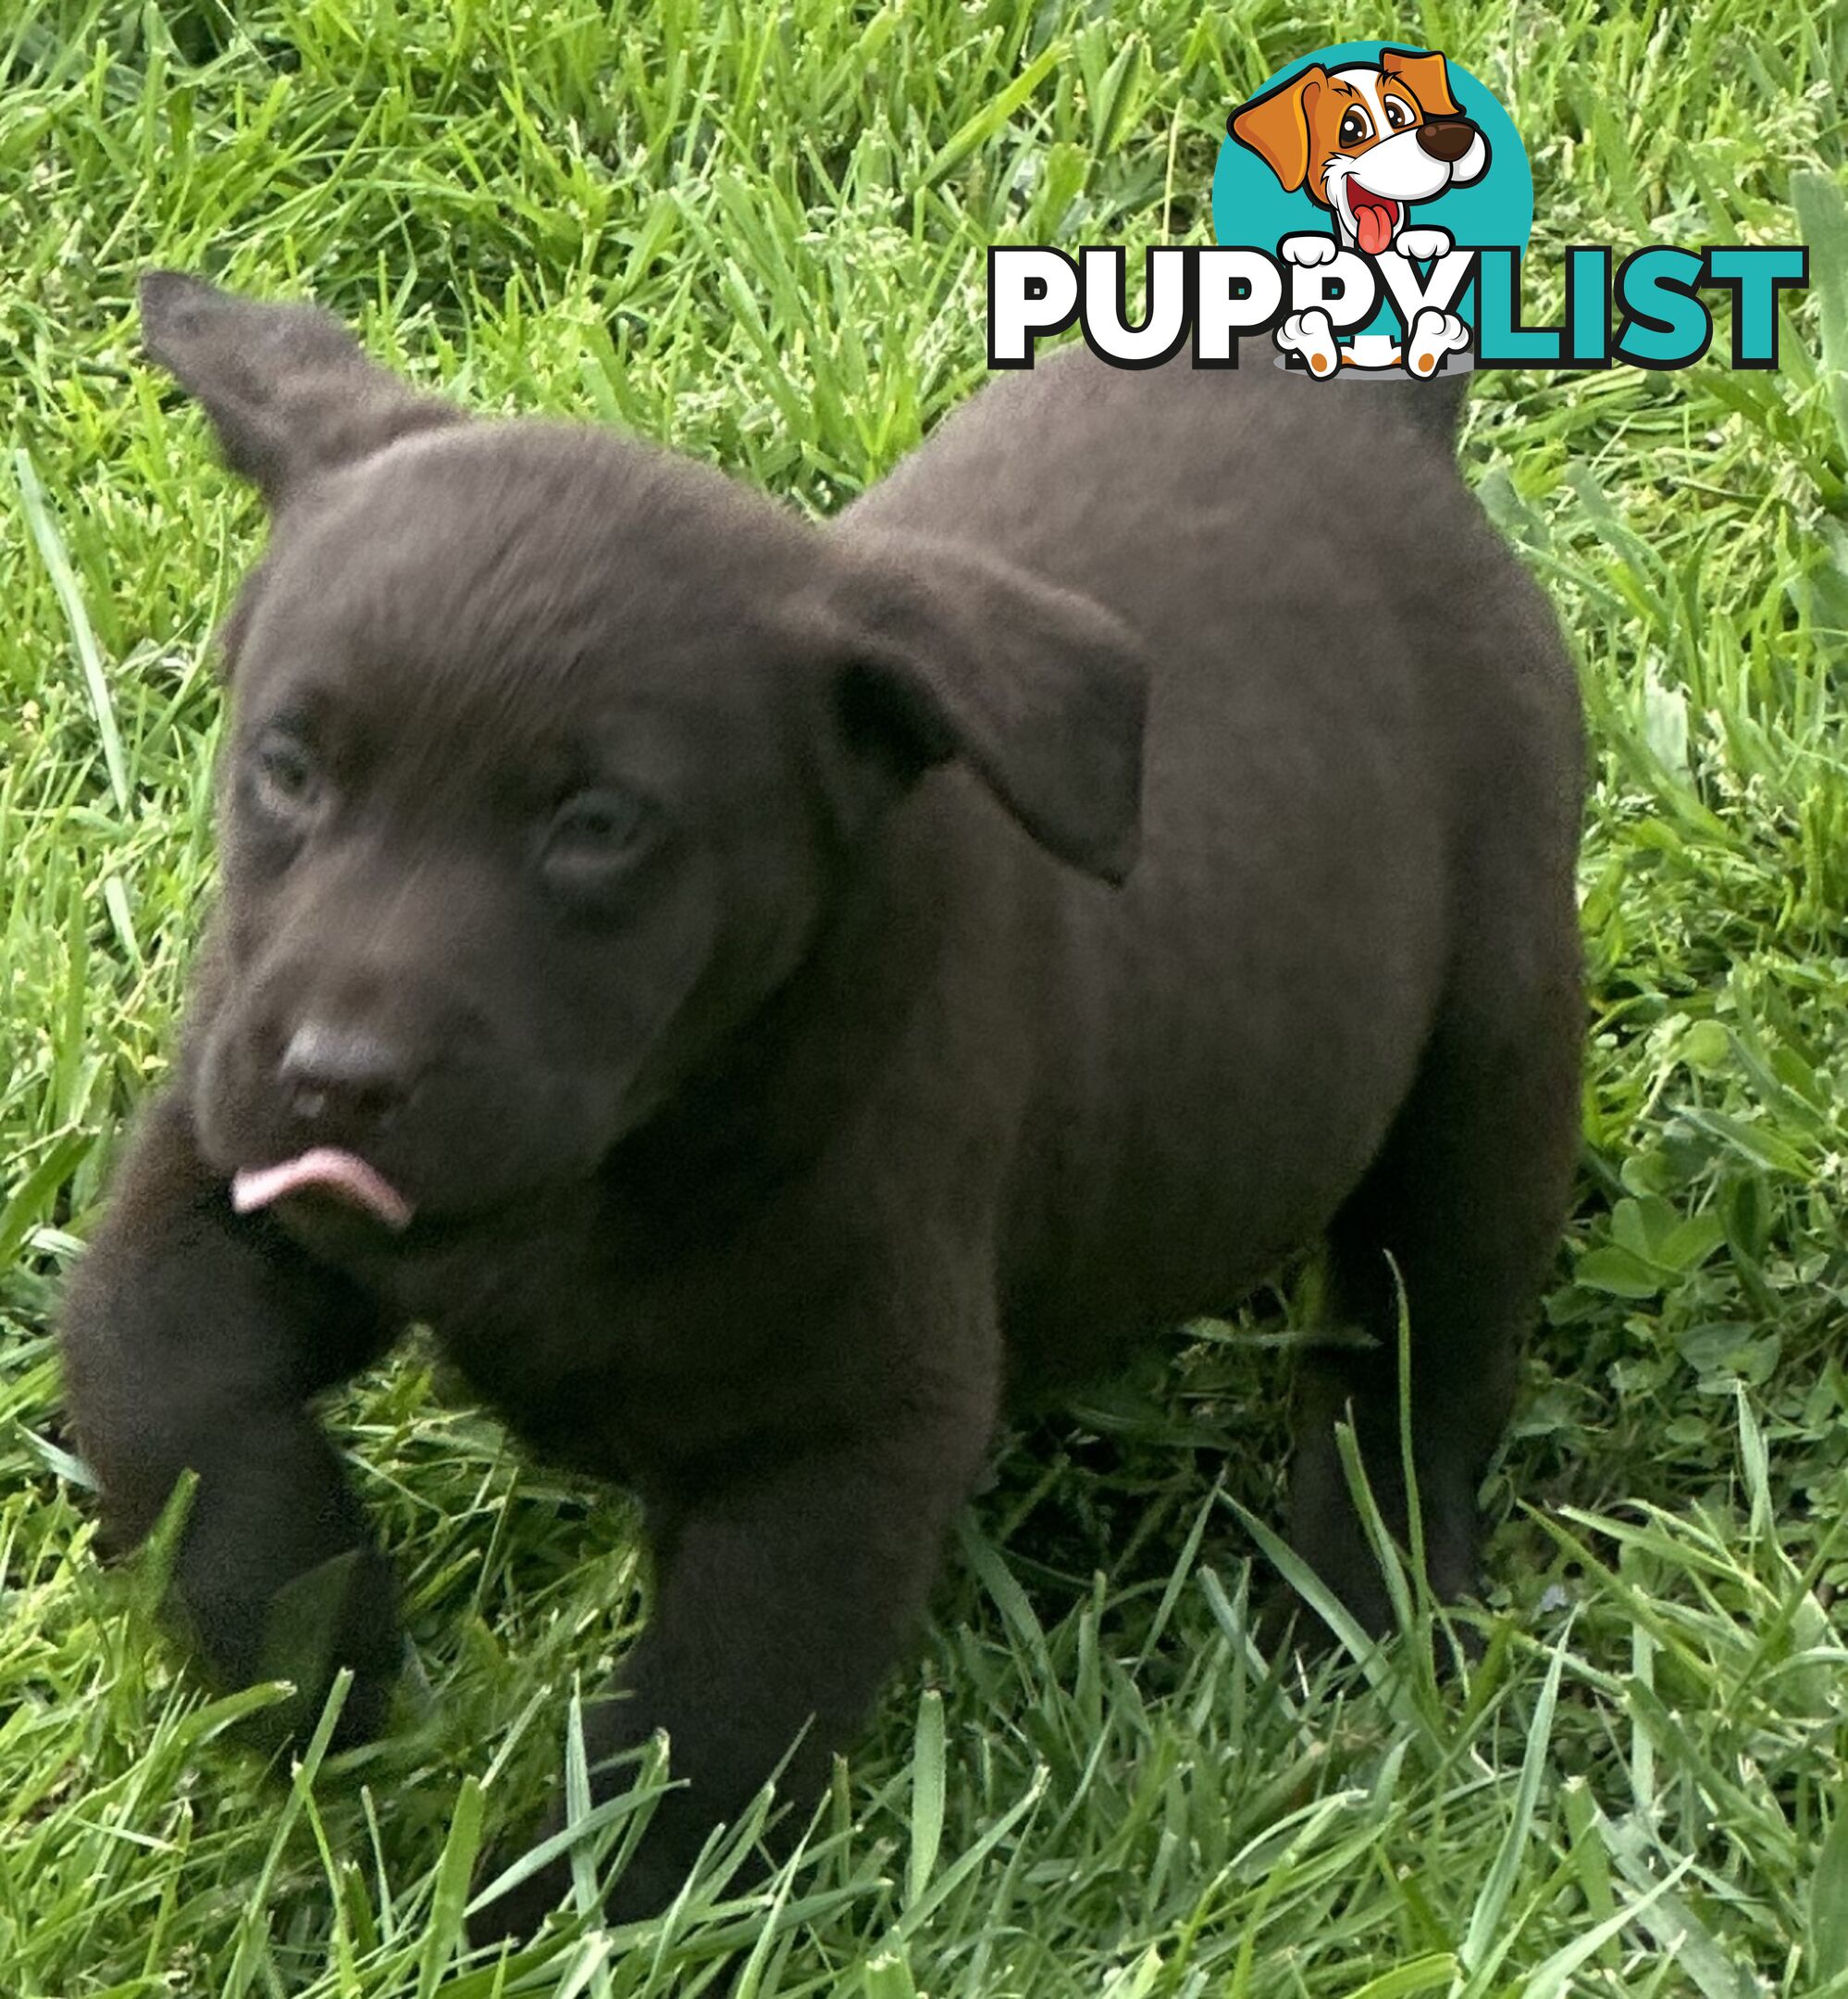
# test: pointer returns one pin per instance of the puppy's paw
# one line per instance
(1309, 251)
(518, 1915)
(1424, 243)
(340, 1616)
(1434, 335)
(1311, 335)
(653, 1875)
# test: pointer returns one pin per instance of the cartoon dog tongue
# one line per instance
(325, 1170)
(1373, 219)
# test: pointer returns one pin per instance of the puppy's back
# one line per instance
(1360, 710)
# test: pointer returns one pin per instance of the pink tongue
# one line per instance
(326, 1169)
(1374, 226)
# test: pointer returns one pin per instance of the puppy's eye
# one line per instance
(593, 835)
(1354, 128)
(284, 775)
(1399, 114)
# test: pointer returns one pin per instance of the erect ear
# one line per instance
(944, 651)
(1276, 126)
(1428, 78)
(286, 387)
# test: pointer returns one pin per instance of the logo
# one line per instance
(1372, 205)
(1378, 175)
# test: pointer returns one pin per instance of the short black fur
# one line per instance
(1133, 842)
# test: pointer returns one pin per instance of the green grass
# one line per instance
(759, 235)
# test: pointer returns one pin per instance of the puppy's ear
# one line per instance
(1428, 76)
(944, 651)
(1276, 126)
(286, 387)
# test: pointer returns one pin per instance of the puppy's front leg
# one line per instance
(192, 1338)
(787, 1591)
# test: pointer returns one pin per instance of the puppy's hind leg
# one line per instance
(1467, 1199)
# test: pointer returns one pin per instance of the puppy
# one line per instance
(773, 997)
(1365, 141)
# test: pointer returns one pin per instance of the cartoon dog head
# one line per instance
(1366, 141)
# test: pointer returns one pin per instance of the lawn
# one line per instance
(759, 234)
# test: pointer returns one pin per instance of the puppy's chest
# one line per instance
(623, 1372)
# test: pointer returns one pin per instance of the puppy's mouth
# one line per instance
(328, 1171)
(1375, 217)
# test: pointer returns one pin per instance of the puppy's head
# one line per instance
(1364, 141)
(549, 752)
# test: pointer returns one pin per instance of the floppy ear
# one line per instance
(1276, 126)
(944, 651)
(1428, 78)
(286, 387)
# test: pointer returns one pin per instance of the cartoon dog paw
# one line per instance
(1308, 250)
(1424, 243)
(1310, 334)
(1434, 335)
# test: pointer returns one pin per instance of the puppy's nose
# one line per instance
(1446, 139)
(346, 1070)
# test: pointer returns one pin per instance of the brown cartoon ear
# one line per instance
(1428, 78)
(1276, 126)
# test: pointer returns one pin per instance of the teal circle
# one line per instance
(1251, 209)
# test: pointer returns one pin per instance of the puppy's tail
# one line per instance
(1435, 408)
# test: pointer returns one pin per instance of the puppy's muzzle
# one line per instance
(345, 1073)
(1446, 139)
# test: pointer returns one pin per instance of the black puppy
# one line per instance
(768, 996)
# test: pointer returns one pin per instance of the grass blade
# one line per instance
(49, 540)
